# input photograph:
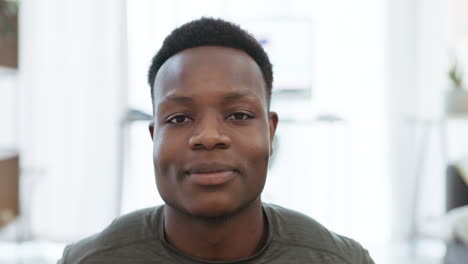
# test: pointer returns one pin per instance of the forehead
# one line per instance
(209, 68)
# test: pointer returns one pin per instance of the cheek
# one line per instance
(260, 141)
(165, 158)
(158, 147)
(257, 149)
(164, 151)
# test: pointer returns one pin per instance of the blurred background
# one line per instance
(373, 133)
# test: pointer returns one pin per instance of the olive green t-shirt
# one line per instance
(138, 237)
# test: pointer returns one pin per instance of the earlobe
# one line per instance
(151, 129)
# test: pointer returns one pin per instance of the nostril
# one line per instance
(209, 136)
(221, 142)
(197, 146)
(221, 145)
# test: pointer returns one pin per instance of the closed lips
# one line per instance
(212, 175)
(211, 168)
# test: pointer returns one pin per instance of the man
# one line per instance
(212, 138)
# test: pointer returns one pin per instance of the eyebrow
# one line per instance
(180, 99)
(185, 99)
(237, 95)
(229, 97)
(173, 98)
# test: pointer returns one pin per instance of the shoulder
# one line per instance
(294, 229)
(125, 230)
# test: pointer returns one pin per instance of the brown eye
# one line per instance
(178, 119)
(240, 116)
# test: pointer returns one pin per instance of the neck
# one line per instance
(218, 239)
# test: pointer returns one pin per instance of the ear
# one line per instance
(273, 123)
(151, 129)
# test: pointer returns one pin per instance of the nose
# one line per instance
(209, 134)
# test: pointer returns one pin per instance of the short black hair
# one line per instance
(211, 32)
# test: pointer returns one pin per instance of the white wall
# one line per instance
(402, 97)
(72, 88)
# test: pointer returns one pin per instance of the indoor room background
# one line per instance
(361, 89)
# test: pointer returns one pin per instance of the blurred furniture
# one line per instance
(9, 187)
(131, 116)
(9, 162)
(456, 253)
(8, 34)
(456, 235)
(456, 107)
(457, 189)
(456, 185)
(448, 134)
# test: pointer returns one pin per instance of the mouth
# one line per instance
(212, 175)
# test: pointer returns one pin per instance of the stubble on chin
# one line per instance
(218, 216)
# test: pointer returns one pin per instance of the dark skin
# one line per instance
(212, 139)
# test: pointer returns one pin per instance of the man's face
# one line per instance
(212, 132)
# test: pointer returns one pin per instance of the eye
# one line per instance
(240, 116)
(178, 119)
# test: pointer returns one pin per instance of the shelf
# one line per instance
(9, 72)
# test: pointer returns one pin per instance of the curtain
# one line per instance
(73, 81)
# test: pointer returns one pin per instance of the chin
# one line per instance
(214, 209)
